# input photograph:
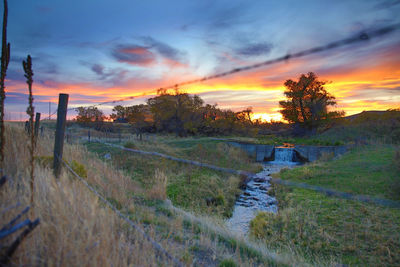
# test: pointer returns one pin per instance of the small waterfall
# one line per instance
(255, 196)
(284, 154)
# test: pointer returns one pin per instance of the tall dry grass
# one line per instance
(159, 188)
(75, 229)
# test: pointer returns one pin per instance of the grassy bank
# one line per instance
(196, 189)
(350, 232)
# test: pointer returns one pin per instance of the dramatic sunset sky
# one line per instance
(99, 50)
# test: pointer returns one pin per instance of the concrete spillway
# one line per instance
(262, 153)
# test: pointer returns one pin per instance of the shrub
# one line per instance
(130, 145)
(45, 161)
(227, 263)
(220, 199)
(78, 168)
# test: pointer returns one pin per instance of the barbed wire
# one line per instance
(358, 38)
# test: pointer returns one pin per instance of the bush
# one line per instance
(130, 145)
(227, 263)
(220, 199)
(45, 161)
(78, 168)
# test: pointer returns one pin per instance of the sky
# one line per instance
(102, 50)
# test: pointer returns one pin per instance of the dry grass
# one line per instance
(74, 227)
(159, 189)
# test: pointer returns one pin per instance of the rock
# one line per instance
(246, 193)
(249, 188)
(107, 156)
(210, 201)
(264, 188)
(259, 180)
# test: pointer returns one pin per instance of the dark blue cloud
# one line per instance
(110, 76)
(163, 49)
(256, 49)
(134, 54)
(98, 69)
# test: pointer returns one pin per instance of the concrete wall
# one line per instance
(312, 153)
(259, 152)
(305, 153)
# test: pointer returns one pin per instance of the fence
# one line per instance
(12, 227)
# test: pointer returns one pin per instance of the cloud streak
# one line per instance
(134, 55)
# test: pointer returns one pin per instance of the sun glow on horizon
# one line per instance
(267, 117)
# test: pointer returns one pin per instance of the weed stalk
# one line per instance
(27, 65)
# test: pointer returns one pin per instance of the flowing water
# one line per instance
(255, 197)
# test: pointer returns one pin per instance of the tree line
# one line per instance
(178, 112)
(175, 112)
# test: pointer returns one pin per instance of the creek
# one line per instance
(254, 197)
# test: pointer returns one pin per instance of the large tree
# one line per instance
(180, 112)
(119, 112)
(307, 102)
(89, 114)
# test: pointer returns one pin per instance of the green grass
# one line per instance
(348, 231)
(187, 186)
(367, 171)
(278, 140)
(205, 149)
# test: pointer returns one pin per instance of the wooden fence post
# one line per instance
(37, 123)
(60, 131)
(88, 135)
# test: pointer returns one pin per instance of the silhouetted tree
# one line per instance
(307, 102)
(140, 118)
(89, 114)
(179, 112)
(119, 112)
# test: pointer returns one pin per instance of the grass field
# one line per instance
(187, 186)
(76, 227)
(350, 232)
(310, 228)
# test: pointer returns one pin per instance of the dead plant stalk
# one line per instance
(27, 65)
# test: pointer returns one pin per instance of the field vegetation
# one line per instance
(190, 187)
(353, 233)
(77, 228)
